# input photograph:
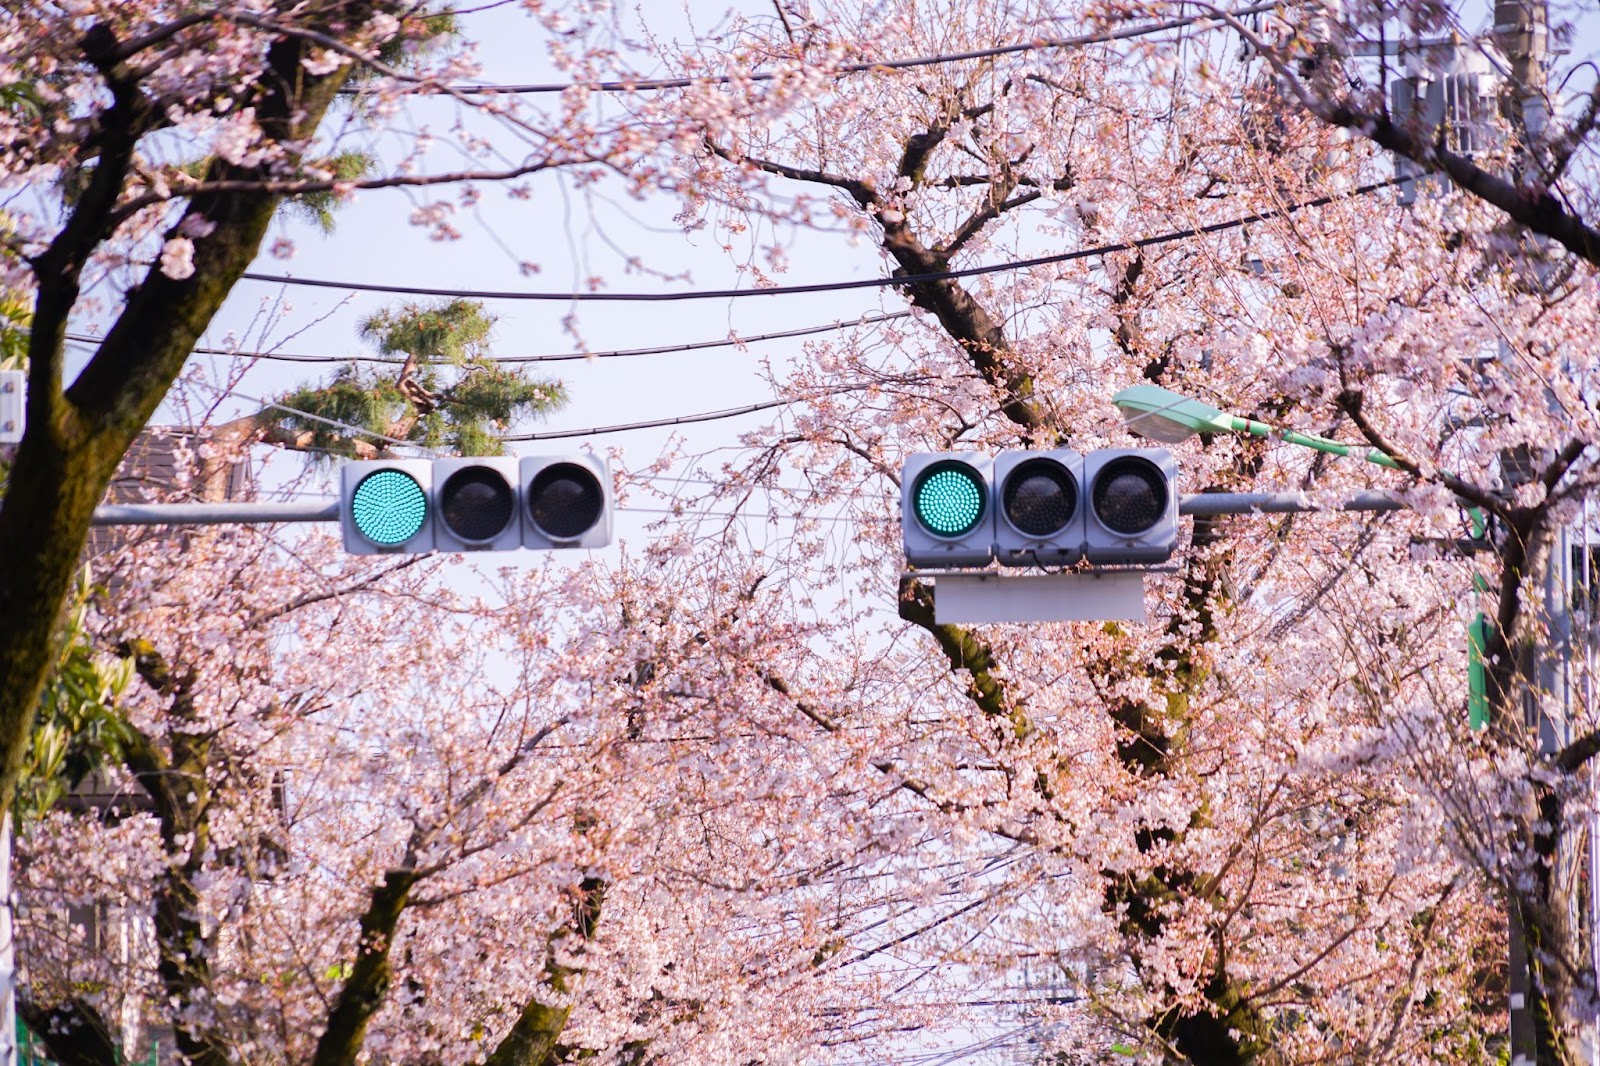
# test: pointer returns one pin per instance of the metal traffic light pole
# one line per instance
(1204, 504)
(214, 514)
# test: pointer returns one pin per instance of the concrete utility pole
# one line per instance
(1521, 31)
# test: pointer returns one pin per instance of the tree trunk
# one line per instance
(76, 438)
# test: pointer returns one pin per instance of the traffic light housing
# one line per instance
(475, 504)
(1039, 508)
(1132, 505)
(386, 506)
(566, 502)
(946, 514)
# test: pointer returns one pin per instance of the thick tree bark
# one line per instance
(364, 990)
(535, 1039)
(179, 784)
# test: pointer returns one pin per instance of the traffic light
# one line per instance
(566, 502)
(385, 506)
(475, 504)
(1040, 508)
(945, 510)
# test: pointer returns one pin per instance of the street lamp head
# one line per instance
(1153, 412)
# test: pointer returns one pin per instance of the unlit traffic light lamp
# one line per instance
(1031, 508)
(466, 504)
(1039, 497)
(476, 504)
(1040, 520)
(566, 502)
(1133, 499)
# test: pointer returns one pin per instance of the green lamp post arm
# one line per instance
(1310, 440)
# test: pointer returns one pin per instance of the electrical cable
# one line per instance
(894, 281)
(768, 516)
(565, 357)
(656, 84)
(362, 430)
(555, 434)
(679, 420)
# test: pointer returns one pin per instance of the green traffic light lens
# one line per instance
(388, 507)
(950, 498)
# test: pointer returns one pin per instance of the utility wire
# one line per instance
(555, 434)
(564, 357)
(680, 420)
(346, 426)
(895, 281)
(654, 84)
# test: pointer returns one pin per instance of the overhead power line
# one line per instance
(563, 357)
(632, 85)
(335, 423)
(554, 434)
(680, 420)
(825, 286)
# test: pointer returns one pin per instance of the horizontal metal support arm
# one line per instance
(1207, 504)
(1204, 504)
(214, 514)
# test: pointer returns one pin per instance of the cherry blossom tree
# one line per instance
(144, 149)
(1509, 171)
(742, 796)
(464, 837)
(1294, 844)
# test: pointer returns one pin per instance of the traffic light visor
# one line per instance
(1039, 497)
(1130, 495)
(388, 507)
(477, 503)
(949, 498)
(565, 500)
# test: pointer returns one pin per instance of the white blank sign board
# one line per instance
(1102, 596)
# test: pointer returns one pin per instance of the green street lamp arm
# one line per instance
(1309, 440)
(1161, 414)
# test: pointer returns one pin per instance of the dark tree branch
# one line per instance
(1350, 402)
(965, 651)
(963, 318)
(179, 784)
(75, 439)
(1533, 208)
(364, 990)
(311, 598)
(992, 210)
(1572, 757)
